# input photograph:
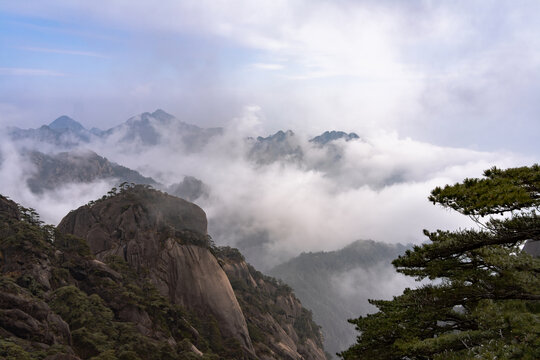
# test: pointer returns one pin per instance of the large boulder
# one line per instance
(164, 238)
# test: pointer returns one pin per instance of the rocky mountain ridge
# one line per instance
(329, 136)
(151, 129)
(146, 129)
(135, 276)
(51, 171)
(54, 170)
(316, 279)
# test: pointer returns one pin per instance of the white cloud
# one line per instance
(267, 66)
(427, 69)
(377, 189)
(461, 73)
(52, 206)
(63, 51)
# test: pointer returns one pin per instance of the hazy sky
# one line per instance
(453, 73)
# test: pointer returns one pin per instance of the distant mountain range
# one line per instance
(145, 129)
(286, 146)
(318, 280)
(54, 150)
(63, 132)
(150, 129)
(282, 145)
(53, 171)
(329, 136)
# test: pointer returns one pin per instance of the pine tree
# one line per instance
(484, 300)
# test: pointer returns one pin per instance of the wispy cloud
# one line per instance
(426, 69)
(267, 66)
(64, 51)
(29, 72)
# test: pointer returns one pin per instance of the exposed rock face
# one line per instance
(289, 332)
(23, 316)
(166, 237)
(25, 269)
(191, 276)
(158, 288)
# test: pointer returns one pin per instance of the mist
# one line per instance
(352, 290)
(375, 187)
(52, 206)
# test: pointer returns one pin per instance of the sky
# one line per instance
(452, 73)
(436, 90)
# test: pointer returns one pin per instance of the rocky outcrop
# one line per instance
(272, 309)
(135, 276)
(166, 238)
(58, 302)
(191, 276)
(23, 316)
(25, 272)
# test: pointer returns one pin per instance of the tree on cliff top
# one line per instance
(485, 303)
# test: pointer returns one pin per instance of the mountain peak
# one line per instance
(162, 115)
(329, 136)
(277, 137)
(64, 123)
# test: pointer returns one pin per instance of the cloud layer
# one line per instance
(461, 73)
(372, 188)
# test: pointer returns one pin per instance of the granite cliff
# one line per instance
(134, 275)
(281, 327)
(162, 236)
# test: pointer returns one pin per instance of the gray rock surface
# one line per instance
(289, 332)
(165, 237)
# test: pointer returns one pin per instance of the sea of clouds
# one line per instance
(372, 188)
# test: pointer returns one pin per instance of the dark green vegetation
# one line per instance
(57, 299)
(268, 303)
(486, 302)
(324, 282)
(56, 170)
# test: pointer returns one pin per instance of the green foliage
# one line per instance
(11, 351)
(268, 297)
(71, 243)
(486, 303)
(22, 235)
(230, 253)
(113, 310)
(127, 189)
(303, 325)
(498, 192)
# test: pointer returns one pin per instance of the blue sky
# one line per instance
(454, 73)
